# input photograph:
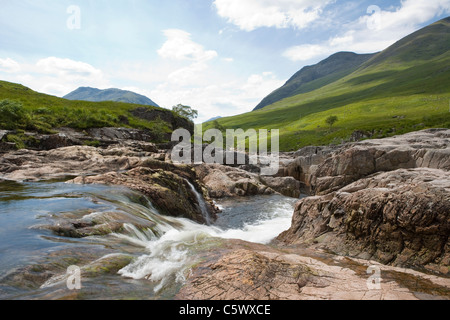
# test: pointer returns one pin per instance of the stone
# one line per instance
(223, 181)
(245, 271)
(327, 169)
(400, 218)
(167, 190)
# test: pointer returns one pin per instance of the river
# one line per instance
(133, 263)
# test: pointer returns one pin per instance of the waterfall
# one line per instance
(201, 203)
(163, 252)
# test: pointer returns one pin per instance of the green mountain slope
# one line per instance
(43, 113)
(314, 77)
(401, 89)
(117, 95)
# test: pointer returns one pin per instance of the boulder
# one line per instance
(400, 218)
(168, 191)
(287, 186)
(223, 181)
(116, 135)
(175, 121)
(327, 169)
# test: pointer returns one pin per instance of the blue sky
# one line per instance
(219, 56)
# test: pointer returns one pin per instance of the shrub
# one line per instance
(13, 115)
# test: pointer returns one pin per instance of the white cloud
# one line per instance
(179, 46)
(189, 75)
(67, 67)
(8, 65)
(306, 52)
(217, 97)
(52, 75)
(375, 31)
(249, 15)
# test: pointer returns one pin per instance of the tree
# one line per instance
(185, 112)
(331, 120)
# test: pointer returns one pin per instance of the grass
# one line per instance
(400, 93)
(30, 110)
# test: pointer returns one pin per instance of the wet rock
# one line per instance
(50, 265)
(109, 264)
(99, 224)
(167, 190)
(401, 218)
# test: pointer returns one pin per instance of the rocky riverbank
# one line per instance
(384, 201)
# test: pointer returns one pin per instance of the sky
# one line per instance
(221, 57)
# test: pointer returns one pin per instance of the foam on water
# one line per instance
(168, 257)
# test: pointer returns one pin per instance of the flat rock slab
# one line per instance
(244, 271)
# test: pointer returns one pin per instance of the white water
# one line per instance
(201, 203)
(167, 258)
(164, 253)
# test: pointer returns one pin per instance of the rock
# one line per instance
(116, 135)
(3, 134)
(167, 190)
(97, 225)
(223, 181)
(52, 265)
(175, 121)
(327, 169)
(359, 135)
(303, 164)
(287, 186)
(246, 271)
(400, 218)
(226, 181)
(6, 146)
(55, 141)
(28, 165)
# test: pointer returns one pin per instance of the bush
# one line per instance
(13, 115)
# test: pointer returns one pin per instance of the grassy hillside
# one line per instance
(314, 77)
(117, 95)
(43, 113)
(402, 89)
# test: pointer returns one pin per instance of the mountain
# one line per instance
(212, 119)
(403, 88)
(24, 109)
(116, 95)
(313, 77)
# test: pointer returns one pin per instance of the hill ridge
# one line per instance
(404, 88)
(312, 77)
(111, 94)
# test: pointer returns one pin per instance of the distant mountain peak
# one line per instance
(112, 94)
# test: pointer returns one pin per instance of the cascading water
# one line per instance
(201, 202)
(161, 254)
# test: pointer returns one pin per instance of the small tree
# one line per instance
(185, 112)
(331, 120)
